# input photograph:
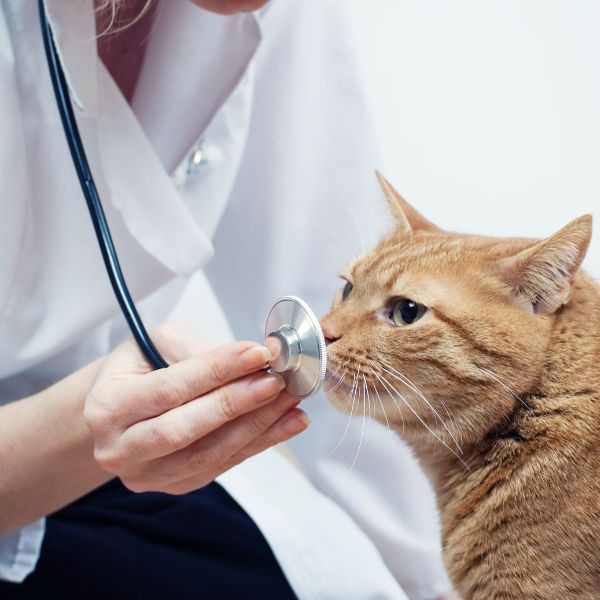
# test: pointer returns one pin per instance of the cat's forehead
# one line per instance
(409, 252)
(437, 255)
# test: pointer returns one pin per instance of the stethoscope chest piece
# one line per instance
(303, 358)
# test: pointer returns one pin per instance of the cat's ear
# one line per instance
(542, 276)
(406, 217)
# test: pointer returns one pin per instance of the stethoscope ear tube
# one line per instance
(92, 198)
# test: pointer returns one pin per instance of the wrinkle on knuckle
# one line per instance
(171, 434)
(171, 390)
(200, 461)
(227, 404)
(137, 445)
(218, 371)
(256, 423)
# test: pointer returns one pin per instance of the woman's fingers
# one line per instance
(293, 422)
(168, 388)
(205, 372)
(215, 450)
(184, 425)
(120, 400)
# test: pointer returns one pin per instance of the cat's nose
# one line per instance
(330, 334)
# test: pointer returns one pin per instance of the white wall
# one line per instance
(488, 111)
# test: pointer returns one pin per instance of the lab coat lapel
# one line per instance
(142, 191)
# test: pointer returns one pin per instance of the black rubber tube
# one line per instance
(90, 192)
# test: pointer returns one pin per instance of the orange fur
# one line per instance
(497, 390)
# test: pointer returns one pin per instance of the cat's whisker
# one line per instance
(404, 379)
(339, 239)
(444, 405)
(387, 422)
(329, 375)
(394, 373)
(389, 386)
(392, 398)
(350, 396)
(447, 410)
(362, 429)
(416, 389)
(339, 383)
(368, 407)
(494, 376)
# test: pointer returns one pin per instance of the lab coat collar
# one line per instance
(151, 207)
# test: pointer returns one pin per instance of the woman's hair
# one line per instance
(112, 7)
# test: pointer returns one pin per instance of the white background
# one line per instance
(488, 111)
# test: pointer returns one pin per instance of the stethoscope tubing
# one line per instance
(92, 198)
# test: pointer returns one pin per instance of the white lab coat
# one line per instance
(271, 101)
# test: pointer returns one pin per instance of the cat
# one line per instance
(483, 354)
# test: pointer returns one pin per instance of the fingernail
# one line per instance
(274, 347)
(295, 422)
(257, 356)
(280, 381)
(266, 386)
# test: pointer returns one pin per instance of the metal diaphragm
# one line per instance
(303, 357)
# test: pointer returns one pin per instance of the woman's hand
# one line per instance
(176, 429)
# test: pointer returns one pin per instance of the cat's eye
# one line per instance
(346, 291)
(406, 312)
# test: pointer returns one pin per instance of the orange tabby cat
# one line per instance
(484, 355)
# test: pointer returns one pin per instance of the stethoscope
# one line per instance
(303, 357)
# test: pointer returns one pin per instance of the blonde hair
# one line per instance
(113, 7)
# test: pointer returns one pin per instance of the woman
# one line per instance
(173, 114)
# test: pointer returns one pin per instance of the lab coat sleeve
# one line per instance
(19, 551)
(304, 203)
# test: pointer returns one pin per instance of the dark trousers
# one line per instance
(114, 544)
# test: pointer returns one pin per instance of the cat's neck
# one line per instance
(560, 404)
